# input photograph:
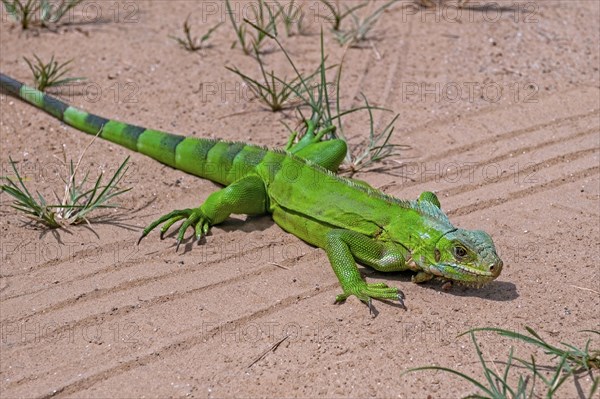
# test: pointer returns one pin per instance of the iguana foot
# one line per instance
(310, 137)
(421, 277)
(193, 217)
(365, 292)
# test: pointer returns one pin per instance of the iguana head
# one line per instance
(466, 256)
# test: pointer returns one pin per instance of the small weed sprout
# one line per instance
(22, 12)
(264, 20)
(361, 26)
(25, 11)
(292, 15)
(337, 15)
(53, 13)
(190, 43)
(49, 74)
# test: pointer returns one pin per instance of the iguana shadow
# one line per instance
(499, 291)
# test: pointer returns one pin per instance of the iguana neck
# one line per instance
(418, 228)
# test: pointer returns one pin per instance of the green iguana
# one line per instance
(350, 220)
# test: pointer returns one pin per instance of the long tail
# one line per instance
(211, 159)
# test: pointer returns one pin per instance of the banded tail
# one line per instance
(211, 159)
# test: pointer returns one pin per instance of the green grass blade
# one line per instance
(486, 371)
(594, 387)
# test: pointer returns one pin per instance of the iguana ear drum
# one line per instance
(437, 255)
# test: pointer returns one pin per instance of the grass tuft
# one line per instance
(79, 198)
(275, 92)
(570, 361)
(50, 74)
(48, 13)
(375, 148)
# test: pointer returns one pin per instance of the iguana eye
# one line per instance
(459, 252)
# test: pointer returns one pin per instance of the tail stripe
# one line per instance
(251, 156)
(132, 133)
(232, 151)
(169, 142)
(96, 122)
(122, 133)
(201, 148)
(54, 106)
(159, 145)
(11, 85)
(196, 149)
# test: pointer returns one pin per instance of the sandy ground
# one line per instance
(501, 109)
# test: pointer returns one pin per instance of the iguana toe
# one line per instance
(365, 292)
(193, 217)
(168, 224)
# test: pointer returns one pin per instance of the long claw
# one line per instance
(370, 304)
(202, 230)
(401, 300)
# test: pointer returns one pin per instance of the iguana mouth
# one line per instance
(470, 277)
(473, 272)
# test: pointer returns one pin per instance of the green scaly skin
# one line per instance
(350, 220)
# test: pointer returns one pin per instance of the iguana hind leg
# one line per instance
(245, 196)
(328, 153)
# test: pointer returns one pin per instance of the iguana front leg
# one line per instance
(246, 196)
(344, 247)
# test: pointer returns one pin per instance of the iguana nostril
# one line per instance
(496, 267)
